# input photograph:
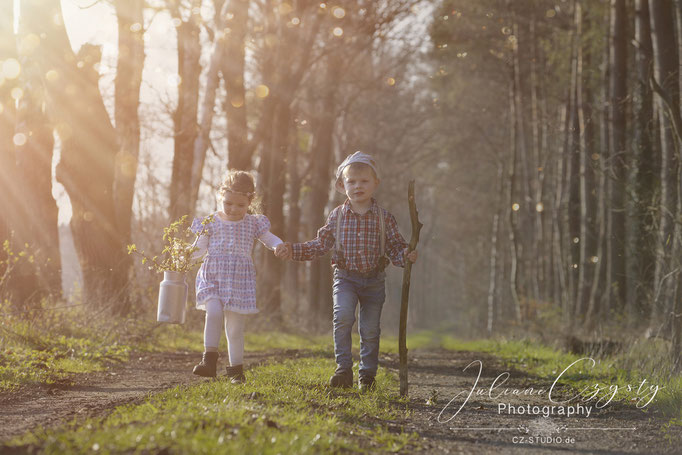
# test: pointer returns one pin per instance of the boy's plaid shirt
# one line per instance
(359, 242)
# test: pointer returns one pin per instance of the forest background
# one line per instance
(544, 137)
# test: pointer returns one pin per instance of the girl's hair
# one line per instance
(240, 182)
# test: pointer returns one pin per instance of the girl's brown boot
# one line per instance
(207, 366)
(236, 374)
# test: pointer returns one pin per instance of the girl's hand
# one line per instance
(411, 256)
(283, 251)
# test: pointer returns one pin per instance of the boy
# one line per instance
(354, 229)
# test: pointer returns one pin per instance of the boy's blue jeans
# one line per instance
(348, 290)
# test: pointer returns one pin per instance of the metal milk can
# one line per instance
(172, 298)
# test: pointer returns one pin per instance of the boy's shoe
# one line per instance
(366, 383)
(342, 379)
(207, 366)
(236, 374)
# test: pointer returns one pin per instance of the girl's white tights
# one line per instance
(234, 330)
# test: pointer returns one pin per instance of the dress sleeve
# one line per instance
(262, 225)
(196, 226)
(270, 240)
(202, 241)
(202, 247)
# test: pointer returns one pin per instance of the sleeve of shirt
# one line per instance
(395, 243)
(202, 240)
(262, 225)
(270, 240)
(324, 241)
(202, 224)
(196, 225)
(202, 247)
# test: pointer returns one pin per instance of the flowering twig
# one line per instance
(178, 250)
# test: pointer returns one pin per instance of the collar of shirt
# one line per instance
(374, 208)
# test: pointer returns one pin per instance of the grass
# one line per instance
(283, 408)
(46, 350)
(289, 409)
(49, 346)
(644, 360)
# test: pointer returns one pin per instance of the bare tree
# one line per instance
(287, 60)
(89, 146)
(643, 174)
(185, 115)
(240, 151)
(9, 201)
(127, 100)
(666, 72)
(618, 157)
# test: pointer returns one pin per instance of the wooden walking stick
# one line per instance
(402, 337)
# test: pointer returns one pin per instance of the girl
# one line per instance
(226, 282)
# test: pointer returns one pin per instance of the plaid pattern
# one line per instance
(227, 272)
(359, 240)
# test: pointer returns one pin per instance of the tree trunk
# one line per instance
(321, 175)
(512, 209)
(618, 158)
(558, 234)
(495, 232)
(524, 217)
(599, 166)
(293, 225)
(537, 170)
(89, 146)
(546, 189)
(666, 73)
(584, 100)
(282, 86)
(185, 116)
(583, 117)
(274, 202)
(127, 100)
(9, 202)
(570, 207)
(678, 22)
(644, 168)
(239, 149)
(203, 140)
(34, 171)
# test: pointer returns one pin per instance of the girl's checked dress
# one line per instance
(227, 272)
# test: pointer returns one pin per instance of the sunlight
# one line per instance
(145, 109)
(16, 15)
(95, 24)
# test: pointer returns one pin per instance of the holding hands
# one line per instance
(411, 255)
(283, 251)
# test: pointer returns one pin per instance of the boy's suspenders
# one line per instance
(382, 231)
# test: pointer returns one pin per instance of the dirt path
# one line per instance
(435, 377)
(440, 375)
(98, 393)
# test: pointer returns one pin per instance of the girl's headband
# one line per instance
(249, 195)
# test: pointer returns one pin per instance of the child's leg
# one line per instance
(372, 296)
(213, 325)
(234, 329)
(345, 301)
(214, 318)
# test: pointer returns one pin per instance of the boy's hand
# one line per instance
(283, 251)
(411, 256)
